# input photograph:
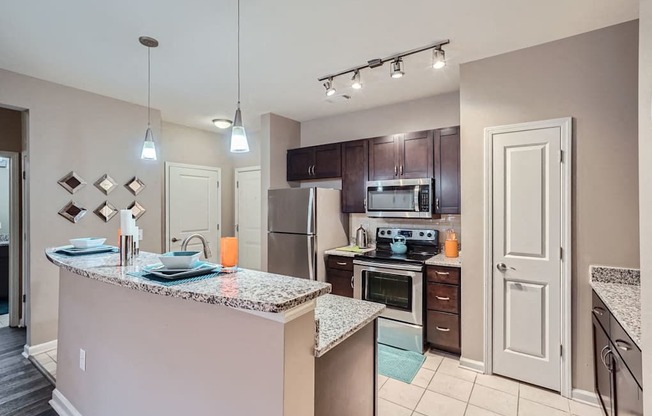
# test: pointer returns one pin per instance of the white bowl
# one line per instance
(179, 259)
(89, 242)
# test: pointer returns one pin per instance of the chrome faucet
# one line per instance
(204, 242)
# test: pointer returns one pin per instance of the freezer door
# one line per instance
(292, 255)
(291, 211)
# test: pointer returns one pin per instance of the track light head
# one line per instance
(328, 85)
(438, 58)
(356, 82)
(396, 68)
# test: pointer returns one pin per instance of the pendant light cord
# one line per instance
(238, 53)
(149, 86)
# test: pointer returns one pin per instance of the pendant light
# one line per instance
(239, 142)
(149, 148)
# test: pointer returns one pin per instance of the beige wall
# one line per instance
(645, 188)
(183, 144)
(593, 78)
(70, 129)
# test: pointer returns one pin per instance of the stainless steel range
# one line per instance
(397, 280)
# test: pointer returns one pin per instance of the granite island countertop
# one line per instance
(245, 289)
(336, 252)
(339, 317)
(620, 290)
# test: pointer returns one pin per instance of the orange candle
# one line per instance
(451, 248)
(229, 249)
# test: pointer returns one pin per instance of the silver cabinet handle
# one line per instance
(503, 268)
(598, 311)
(442, 298)
(309, 170)
(352, 277)
(341, 263)
(174, 239)
(401, 169)
(437, 204)
(313, 170)
(395, 170)
(442, 273)
(439, 328)
(622, 345)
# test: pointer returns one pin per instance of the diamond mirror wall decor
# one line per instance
(72, 212)
(72, 182)
(106, 184)
(106, 211)
(137, 210)
(135, 185)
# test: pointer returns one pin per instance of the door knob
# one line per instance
(503, 267)
(174, 239)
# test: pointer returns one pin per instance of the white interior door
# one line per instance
(527, 238)
(248, 217)
(193, 201)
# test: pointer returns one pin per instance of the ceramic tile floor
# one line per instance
(4, 320)
(48, 361)
(442, 388)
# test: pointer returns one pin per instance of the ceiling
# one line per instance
(286, 46)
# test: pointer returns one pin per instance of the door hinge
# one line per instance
(24, 298)
(561, 350)
(24, 175)
(218, 227)
(218, 184)
(561, 156)
(237, 228)
(237, 184)
(561, 253)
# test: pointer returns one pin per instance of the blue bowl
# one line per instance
(179, 259)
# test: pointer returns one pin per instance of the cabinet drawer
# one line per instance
(448, 275)
(443, 298)
(601, 312)
(341, 282)
(340, 262)
(443, 331)
(626, 348)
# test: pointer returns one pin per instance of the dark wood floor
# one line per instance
(24, 391)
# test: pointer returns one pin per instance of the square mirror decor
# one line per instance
(72, 182)
(135, 185)
(106, 184)
(72, 212)
(106, 211)
(137, 210)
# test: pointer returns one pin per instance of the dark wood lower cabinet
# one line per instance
(339, 273)
(443, 331)
(443, 308)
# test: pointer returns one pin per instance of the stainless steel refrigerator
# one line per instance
(302, 224)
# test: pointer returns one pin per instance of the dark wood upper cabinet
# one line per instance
(415, 155)
(447, 171)
(383, 158)
(315, 162)
(355, 168)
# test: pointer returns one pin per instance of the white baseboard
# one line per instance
(586, 397)
(32, 350)
(473, 365)
(62, 406)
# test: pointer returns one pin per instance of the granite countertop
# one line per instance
(441, 260)
(246, 289)
(620, 290)
(340, 317)
(336, 252)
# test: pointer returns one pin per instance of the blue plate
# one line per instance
(71, 251)
(171, 274)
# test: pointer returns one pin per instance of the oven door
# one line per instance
(398, 286)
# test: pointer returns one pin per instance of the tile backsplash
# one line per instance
(371, 224)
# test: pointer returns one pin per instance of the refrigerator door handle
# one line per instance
(311, 257)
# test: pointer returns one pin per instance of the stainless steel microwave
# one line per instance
(400, 198)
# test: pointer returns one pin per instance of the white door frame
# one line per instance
(235, 190)
(168, 166)
(566, 126)
(14, 237)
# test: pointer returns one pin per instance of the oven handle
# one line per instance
(406, 267)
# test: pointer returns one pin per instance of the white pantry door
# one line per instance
(193, 206)
(248, 217)
(527, 224)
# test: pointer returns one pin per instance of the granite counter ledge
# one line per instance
(441, 260)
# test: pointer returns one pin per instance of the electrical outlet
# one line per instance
(82, 359)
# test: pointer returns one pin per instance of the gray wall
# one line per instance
(593, 78)
(645, 188)
(70, 129)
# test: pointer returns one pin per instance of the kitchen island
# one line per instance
(238, 344)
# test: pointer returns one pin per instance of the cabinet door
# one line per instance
(327, 161)
(355, 171)
(299, 163)
(447, 171)
(383, 158)
(416, 155)
(629, 396)
(341, 281)
(603, 377)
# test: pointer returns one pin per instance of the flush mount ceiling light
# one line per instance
(222, 123)
(438, 58)
(239, 142)
(149, 148)
(396, 69)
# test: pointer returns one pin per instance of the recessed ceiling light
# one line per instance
(396, 69)
(330, 90)
(222, 123)
(438, 58)
(356, 82)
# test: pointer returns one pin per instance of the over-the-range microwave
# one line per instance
(400, 198)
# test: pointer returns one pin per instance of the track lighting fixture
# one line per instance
(438, 58)
(356, 82)
(396, 70)
(222, 123)
(239, 143)
(330, 90)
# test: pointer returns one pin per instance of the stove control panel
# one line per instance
(409, 234)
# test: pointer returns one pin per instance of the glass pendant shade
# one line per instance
(239, 142)
(149, 148)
